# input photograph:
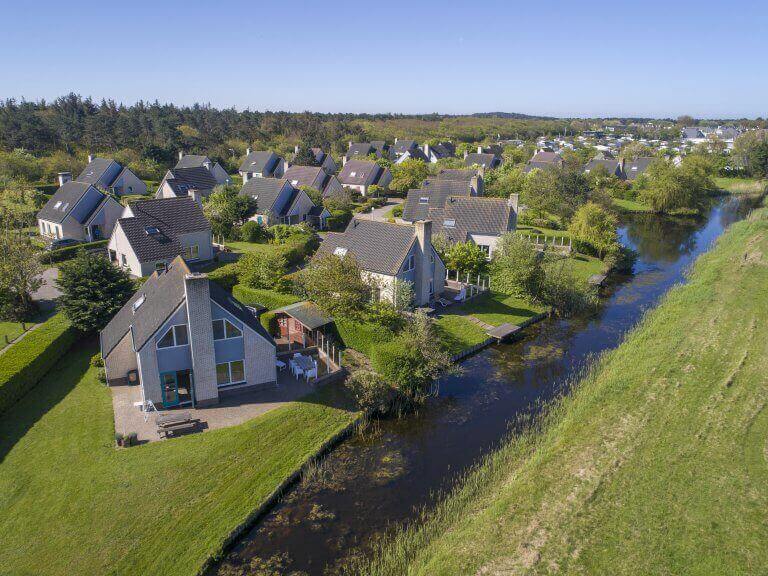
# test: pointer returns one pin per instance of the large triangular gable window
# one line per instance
(223, 329)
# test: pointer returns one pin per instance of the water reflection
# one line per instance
(382, 479)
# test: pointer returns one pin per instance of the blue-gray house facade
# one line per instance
(188, 341)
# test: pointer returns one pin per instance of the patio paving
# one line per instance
(233, 409)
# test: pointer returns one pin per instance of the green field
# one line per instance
(741, 185)
(496, 309)
(10, 331)
(459, 333)
(71, 503)
(657, 463)
(580, 265)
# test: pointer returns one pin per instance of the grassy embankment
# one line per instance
(741, 185)
(631, 205)
(70, 503)
(656, 464)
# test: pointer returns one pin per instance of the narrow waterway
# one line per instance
(384, 478)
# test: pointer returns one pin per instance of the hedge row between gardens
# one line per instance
(70, 251)
(24, 363)
(267, 298)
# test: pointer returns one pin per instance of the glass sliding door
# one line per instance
(176, 388)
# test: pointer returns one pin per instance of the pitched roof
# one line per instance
(307, 313)
(156, 224)
(377, 246)
(192, 161)
(63, 201)
(305, 175)
(265, 191)
(611, 165)
(402, 146)
(359, 172)
(263, 162)
(360, 150)
(184, 179)
(545, 156)
(95, 170)
(462, 216)
(435, 192)
(163, 294)
(634, 168)
(464, 174)
(485, 160)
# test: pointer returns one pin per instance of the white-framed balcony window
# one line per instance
(191, 252)
(230, 373)
(223, 329)
(175, 336)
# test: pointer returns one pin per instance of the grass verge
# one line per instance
(741, 185)
(655, 464)
(70, 503)
(631, 205)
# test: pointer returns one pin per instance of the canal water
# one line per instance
(385, 477)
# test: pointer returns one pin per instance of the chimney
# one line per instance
(465, 154)
(90, 158)
(423, 262)
(296, 149)
(350, 144)
(198, 297)
(395, 140)
(194, 193)
(513, 201)
(64, 177)
(426, 150)
(248, 151)
(479, 149)
(181, 154)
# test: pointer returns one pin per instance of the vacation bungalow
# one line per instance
(483, 160)
(360, 175)
(262, 164)
(78, 211)
(109, 176)
(187, 341)
(277, 201)
(544, 159)
(199, 161)
(196, 183)
(314, 177)
(391, 253)
(152, 233)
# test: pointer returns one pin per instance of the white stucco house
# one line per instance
(189, 342)
(390, 253)
(200, 161)
(277, 201)
(152, 233)
(261, 164)
(360, 175)
(110, 176)
(78, 211)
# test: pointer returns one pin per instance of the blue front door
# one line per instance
(176, 388)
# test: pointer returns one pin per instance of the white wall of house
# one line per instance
(122, 250)
(50, 229)
(220, 174)
(301, 206)
(333, 187)
(105, 219)
(121, 359)
(129, 183)
(165, 191)
(202, 240)
(485, 240)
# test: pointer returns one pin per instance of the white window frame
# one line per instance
(172, 329)
(229, 373)
(188, 250)
(225, 321)
(410, 263)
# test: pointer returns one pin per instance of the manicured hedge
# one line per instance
(225, 276)
(28, 360)
(267, 298)
(69, 252)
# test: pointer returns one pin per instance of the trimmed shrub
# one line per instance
(253, 232)
(225, 276)
(363, 336)
(267, 298)
(24, 364)
(70, 252)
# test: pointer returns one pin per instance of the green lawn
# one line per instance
(631, 205)
(741, 185)
(459, 333)
(657, 463)
(496, 309)
(10, 331)
(540, 231)
(70, 503)
(580, 265)
(245, 247)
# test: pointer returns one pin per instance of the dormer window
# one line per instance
(294, 182)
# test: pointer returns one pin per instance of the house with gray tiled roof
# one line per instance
(110, 176)
(611, 166)
(198, 161)
(196, 183)
(314, 177)
(431, 195)
(636, 167)
(261, 164)
(360, 175)
(277, 201)
(152, 233)
(361, 150)
(439, 151)
(484, 160)
(188, 341)
(78, 211)
(323, 160)
(542, 160)
(389, 254)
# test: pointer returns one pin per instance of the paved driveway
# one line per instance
(380, 213)
(46, 295)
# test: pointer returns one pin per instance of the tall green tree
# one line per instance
(335, 284)
(225, 209)
(93, 290)
(20, 270)
(408, 175)
(595, 228)
(516, 267)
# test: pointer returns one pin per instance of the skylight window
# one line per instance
(139, 302)
(56, 206)
(65, 206)
(352, 174)
(340, 251)
(449, 223)
(294, 182)
(150, 230)
(424, 200)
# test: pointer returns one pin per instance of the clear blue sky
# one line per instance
(560, 58)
